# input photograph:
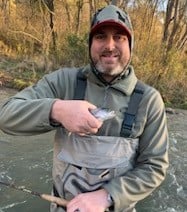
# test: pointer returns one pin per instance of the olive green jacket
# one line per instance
(28, 113)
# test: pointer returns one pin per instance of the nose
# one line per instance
(110, 43)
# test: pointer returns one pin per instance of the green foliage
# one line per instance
(18, 74)
(21, 83)
(176, 78)
(26, 35)
(75, 50)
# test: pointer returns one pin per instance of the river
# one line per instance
(27, 161)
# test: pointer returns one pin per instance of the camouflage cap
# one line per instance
(111, 16)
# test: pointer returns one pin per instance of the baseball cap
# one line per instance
(111, 16)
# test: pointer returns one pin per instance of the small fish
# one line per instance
(103, 113)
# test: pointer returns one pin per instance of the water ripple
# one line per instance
(11, 205)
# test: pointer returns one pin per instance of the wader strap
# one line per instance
(130, 114)
(80, 86)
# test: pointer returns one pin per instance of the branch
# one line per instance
(27, 34)
(47, 6)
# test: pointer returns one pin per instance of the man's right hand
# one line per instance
(75, 116)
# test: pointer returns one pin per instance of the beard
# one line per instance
(109, 71)
(110, 63)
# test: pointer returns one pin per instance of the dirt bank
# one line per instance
(6, 93)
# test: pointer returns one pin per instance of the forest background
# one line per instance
(39, 36)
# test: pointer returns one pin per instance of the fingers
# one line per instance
(75, 116)
(93, 122)
(88, 131)
(83, 121)
(95, 201)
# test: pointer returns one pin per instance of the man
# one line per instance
(96, 166)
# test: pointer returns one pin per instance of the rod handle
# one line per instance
(57, 200)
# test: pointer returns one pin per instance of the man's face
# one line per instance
(110, 51)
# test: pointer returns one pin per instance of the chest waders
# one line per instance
(88, 162)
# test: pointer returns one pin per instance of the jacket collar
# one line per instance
(124, 84)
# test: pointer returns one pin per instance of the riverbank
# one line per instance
(177, 118)
(6, 92)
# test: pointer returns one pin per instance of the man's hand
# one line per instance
(74, 115)
(89, 202)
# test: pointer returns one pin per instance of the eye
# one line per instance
(99, 36)
(120, 37)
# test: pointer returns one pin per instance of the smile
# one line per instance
(110, 54)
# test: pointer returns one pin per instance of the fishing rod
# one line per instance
(47, 197)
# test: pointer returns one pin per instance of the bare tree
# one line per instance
(50, 7)
(94, 5)
(92, 9)
(79, 5)
(8, 8)
(114, 2)
(68, 13)
(175, 28)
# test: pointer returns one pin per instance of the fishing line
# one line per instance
(47, 197)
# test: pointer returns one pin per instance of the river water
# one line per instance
(27, 161)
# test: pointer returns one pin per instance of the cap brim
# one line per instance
(95, 28)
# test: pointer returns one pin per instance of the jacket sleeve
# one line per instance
(28, 112)
(152, 160)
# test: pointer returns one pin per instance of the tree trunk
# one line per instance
(114, 2)
(168, 20)
(175, 25)
(79, 5)
(50, 5)
(68, 12)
